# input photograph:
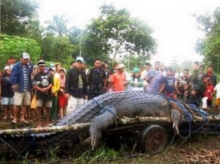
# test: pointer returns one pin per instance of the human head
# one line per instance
(136, 71)
(25, 57)
(210, 70)
(148, 66)
(209, 81)
(72, 64)
(169, 71)
(79, 62)
(120, 67)
(157, 65)
(41, 65)
(196, 66)
(186, 73)
(98, 63)
(62, 72)
(7, 70)
(52, 70)
(58, 67)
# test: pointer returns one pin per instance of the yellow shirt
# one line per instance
(56, 84)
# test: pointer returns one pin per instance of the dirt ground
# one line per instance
(198, 149)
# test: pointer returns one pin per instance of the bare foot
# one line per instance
(24, 121)
(39, 126)
(14, 121)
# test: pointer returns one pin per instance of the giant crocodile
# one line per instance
(101, 111)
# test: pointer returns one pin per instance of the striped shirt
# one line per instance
(25, 74)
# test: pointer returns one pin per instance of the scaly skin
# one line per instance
(137, 104)
(130, 104)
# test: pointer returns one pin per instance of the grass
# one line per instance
(82, 154)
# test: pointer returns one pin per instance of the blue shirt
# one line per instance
(169, 84)
(156, 81)
(20, 77)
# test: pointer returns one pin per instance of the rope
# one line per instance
(16, 152)
(108, 109)
(29, 144)
(189, 132)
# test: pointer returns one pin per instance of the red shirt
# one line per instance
(118, 80)
(208, 91)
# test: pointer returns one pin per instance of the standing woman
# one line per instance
(7, 93)
(136, 83)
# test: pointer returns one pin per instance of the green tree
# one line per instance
(209, 46)
(34, 30)
(115, 32)
(131, 61)
(15, 45)
(58, 25)
(47, 45)
(15, 15)
(76, 36)
(57, 49)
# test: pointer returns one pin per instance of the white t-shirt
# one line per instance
(217, 89)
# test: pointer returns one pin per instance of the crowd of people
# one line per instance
(47, 94)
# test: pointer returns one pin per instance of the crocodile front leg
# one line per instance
(101, 122)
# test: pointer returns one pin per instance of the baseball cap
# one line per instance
(41, 63)
(25, 55)
(7, 67)
(120, 66)
(63, 69)
(136, 70)
(80, 59)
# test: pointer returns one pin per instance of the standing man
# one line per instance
(144, 74)
(196, 85)
(118, 79)
(155, 79)
(96, 80)
(42, 83)
(182, 86)
(21, 85)
(76, 85)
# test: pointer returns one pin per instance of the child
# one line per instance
(169, 80)
(61, 94)
(207, 97)
(217, 100)
(7, 93)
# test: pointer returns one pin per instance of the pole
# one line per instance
(80, 50)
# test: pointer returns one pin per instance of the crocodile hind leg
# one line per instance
(101, 122)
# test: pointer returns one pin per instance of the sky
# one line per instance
(175, 27)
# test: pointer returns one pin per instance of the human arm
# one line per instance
(67, 83)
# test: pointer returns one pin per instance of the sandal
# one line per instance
(5, 118)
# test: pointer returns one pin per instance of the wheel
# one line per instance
(153, 139)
